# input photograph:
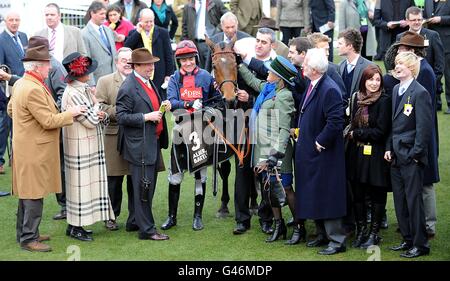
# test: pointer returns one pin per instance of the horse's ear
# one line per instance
(209, 42)
(233, 40)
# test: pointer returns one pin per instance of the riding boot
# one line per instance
(361, 225)
(174, 195)
(298, 235)
(280, 230)
(377, 216)
(197, 224)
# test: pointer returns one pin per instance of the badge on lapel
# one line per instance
(408, 108)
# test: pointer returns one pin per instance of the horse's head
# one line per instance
(225, 67)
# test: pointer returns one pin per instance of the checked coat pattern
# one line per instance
(84, 156)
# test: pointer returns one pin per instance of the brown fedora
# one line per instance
(36, 41)
(37, 52)
(411, 39)
(141, 56)
(267, 22)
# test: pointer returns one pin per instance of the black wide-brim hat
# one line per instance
(78, 65)
(283, 68)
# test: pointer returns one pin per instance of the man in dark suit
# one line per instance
(229, 24)
(12, 50)
(319, 156)
(142, 134)
(407, 148)
(158, 43)
(323, 15)
(438, 13)
(434, 49)
(389, 17)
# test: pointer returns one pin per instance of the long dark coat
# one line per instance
(320, 177)
(373, 169)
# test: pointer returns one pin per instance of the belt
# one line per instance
(199, 40)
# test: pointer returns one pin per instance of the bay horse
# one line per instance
(224, 65)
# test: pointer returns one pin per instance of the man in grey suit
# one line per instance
(229, 24)
(438, 14)
(63, 39)
(349, 46)
(406, 148)
(99, 42)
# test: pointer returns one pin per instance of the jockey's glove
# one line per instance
(197, 104)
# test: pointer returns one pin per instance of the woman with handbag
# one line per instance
(367, 170)
(270, 132)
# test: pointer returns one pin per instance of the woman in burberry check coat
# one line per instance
(86, 179)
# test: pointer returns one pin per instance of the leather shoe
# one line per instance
(111, 225)
(402, 247)
(43, 238)
(3, 193)
(332, 250)
(170, 221)
(36, 246)
(60, 216)
(131, 227)
(318, 242)
(79, 233)
(155, 236)
(415, 252)
(240, 228)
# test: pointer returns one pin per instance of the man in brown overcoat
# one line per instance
(36, 128)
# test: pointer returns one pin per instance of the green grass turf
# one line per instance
(216, 242)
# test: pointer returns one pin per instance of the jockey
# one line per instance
(189, 89)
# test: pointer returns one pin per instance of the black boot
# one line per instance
(174, 195)
(197, 224)
(298, 235)
(361, 225)
(280, 230)
(377, 215)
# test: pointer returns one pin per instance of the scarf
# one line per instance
(362, 8)
(361, 119)
(267, 93)
(160, 12)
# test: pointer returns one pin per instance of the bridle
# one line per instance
(226, 80)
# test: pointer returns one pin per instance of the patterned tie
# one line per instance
(310, 87)
(52, 41)
(349, 67)
(104, 39)
(19, 48)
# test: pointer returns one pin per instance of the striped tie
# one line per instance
(52, 41)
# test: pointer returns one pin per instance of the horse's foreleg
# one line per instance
(224, 171)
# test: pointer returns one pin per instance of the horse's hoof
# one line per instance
(223, 213)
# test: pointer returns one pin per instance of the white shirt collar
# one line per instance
(10, 33)
(405, 85)
(59, 27)
(354, 61)
(140, 77)
(314, 83)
